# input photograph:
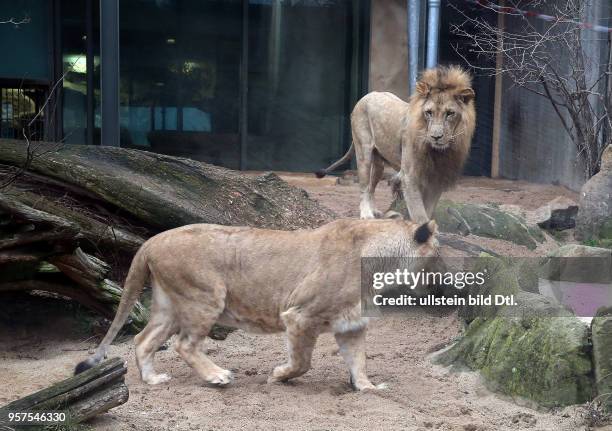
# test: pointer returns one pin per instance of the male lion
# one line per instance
(427, 140)
(303, 282)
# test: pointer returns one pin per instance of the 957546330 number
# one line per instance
(33, 418)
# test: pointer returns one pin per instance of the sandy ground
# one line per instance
(420, 396)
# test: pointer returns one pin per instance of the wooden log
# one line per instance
(150, 192)
(91, 274)
(82, 268)
(102, 231)
(166, 192)
(83, 396)
(11, 205)
(28, 238)
(10, 257)
(64, 289)
(20, 270)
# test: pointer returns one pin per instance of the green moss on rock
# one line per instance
(601, 334)
(500, 279)
(487, 221)
(605, 232)
(542, 359)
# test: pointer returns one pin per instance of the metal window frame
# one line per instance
(109, 72)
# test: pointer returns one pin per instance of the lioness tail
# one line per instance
(347, 156)
(134, 284)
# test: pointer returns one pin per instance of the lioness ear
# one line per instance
(422, 88)
(466, 95)
(425, 232)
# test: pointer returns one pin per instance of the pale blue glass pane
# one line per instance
(31, 60)
(195, 120)
(181, 59)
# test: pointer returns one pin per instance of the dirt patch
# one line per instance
(344, 199)
(420, 396)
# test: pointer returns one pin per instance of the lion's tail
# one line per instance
(134, 284)
(347, 156)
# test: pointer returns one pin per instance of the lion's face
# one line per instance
(441, 118)
(443, 100)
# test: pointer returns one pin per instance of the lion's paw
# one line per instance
(371, 387)
(222, 378)
(156, 379)
(367, 386)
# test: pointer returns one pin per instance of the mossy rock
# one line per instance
(500, 279)
(578, 263)
(481, 220)
(601, 334)
(528, 273)
(487, 221)
(605, 232)
(594, 219)
(541, 359)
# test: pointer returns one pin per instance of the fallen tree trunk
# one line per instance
(165, 191)
(81, 397)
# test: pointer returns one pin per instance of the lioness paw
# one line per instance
(222, 378)
(279, 374)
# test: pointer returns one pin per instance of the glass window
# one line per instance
(180, 71)
(299, 82)
(31, 61)
(74, 63)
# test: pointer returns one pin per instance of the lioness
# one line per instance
(427, 140)
(303, 282)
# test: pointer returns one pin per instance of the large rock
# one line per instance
(487, 221)
(481, 220)
(578, 263)
(594, 219)
(534, 349)
(578, 250)
(500, 279)
(601, 334)
(558, 214)
(527, 353)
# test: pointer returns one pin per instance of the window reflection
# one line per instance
(299, 82)
(180, 70)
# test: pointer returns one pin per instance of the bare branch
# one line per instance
(16, 22)
(547, 58)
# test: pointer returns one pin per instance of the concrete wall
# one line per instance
(534, 146)
(389, 47)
